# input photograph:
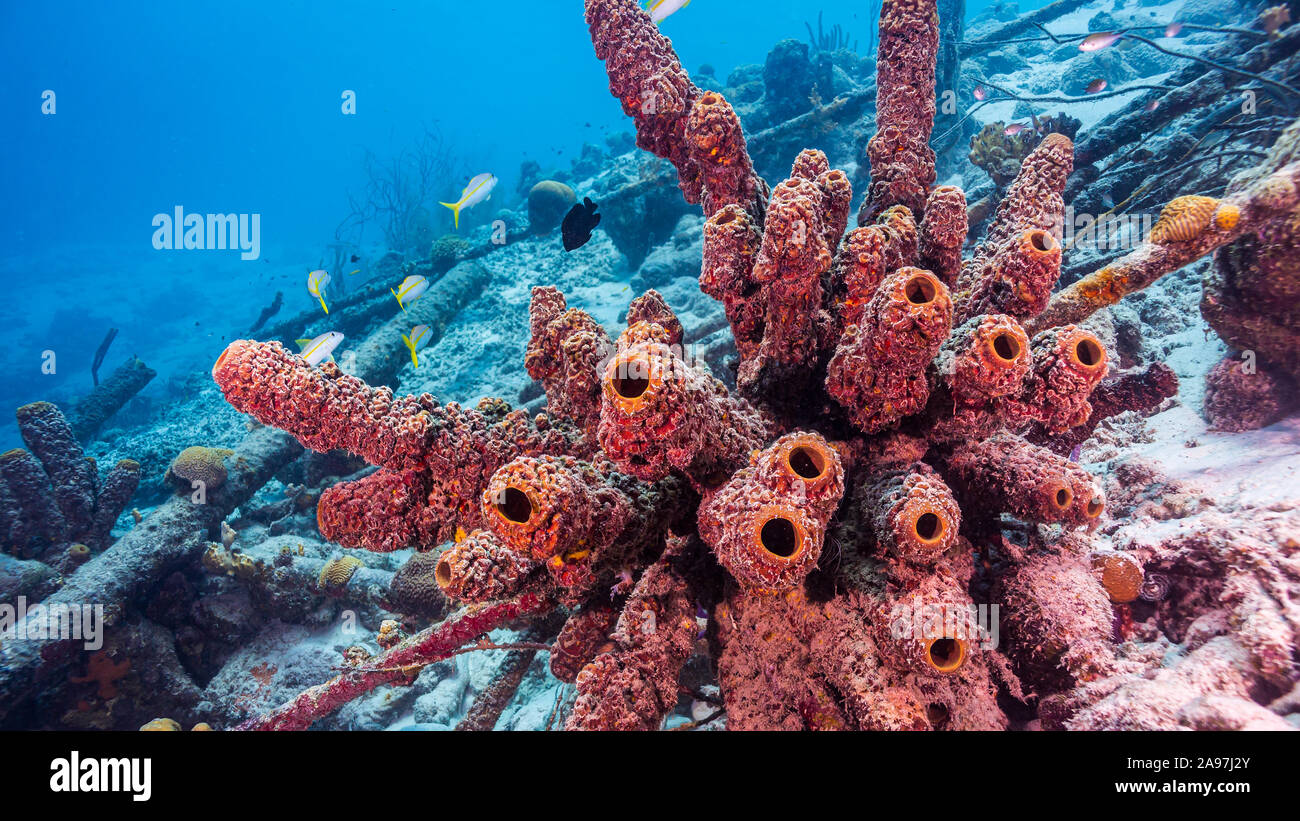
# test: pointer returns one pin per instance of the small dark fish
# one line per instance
(1096, 86)
(578, 224)
(1153, 105)
(356, 258)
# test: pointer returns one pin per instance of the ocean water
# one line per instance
(239, 109)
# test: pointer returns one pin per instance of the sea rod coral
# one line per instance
(836, 527)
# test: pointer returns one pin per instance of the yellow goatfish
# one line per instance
(419, 336)
(317, 350)
(411, 289)
(476, 190)
(662, 9)
(316, 282)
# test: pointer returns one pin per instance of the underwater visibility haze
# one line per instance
(876, 365)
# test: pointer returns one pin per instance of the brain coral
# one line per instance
(336, 573)
(198, 464)
(414, 589)
(548, 202)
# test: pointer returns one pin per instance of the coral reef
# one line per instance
(829, 525)
(1254, 220)
(445, 252)
(51, 495)
(1252, 292)
(414, 589)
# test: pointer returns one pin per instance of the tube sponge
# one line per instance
(1014, 269)
(384, 511)
(986, 358)
(1005, 473)
(716, 143)
(449, 453)
(791, 260)
(869, 254)
(564, 352)
(1018, 280)
(911, 514)
(1058, 620)
(803, 466)
(33, 512)
(731, 242)
(902, 162)
(72, 477)
(115, 491)
(481, 568)
(767, 524)
(645, 75)
(943, 232)
(878, 371)
(634, 685)
(551, 506)
(930, 629)
(660, 414)
(1068, 363)
(584, 636)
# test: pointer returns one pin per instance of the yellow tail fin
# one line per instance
(414, 361)
(398, 298)
(455, 212)
(322, 303)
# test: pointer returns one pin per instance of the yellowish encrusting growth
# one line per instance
(336, 573)
(1183, 219)
(199, 464)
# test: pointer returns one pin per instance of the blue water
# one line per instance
(237, 108)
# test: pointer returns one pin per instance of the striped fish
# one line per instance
(660, 10)
(411, 289)
(317, 350)
(419, 336)
(476, 190)
(316, 282)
